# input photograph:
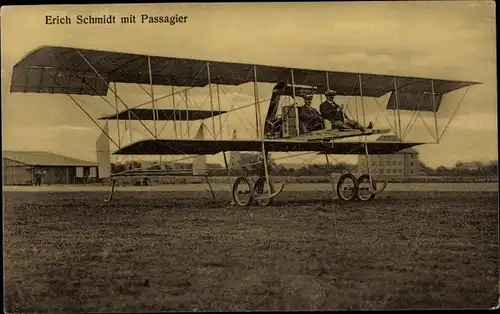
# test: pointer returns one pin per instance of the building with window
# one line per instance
(402, 163)
(19, 168)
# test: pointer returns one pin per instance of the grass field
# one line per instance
(167, 251)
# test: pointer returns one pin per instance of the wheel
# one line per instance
(242, 192)
(364, 193)
(260, 187)
(347, 187)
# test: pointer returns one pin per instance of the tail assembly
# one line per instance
(103, 154)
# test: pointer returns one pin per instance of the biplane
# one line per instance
(74, 71)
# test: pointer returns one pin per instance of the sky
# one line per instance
(443, 40)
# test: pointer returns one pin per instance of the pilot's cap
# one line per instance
(308, 97)
(330, 92)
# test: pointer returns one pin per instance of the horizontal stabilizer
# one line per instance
(211, 147)
(163, 114)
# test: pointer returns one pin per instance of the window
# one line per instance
(411, 164)
(393, 162)
(400, 170)
(381, 171)
(400, 163)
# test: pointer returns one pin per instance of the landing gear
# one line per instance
(347, 187)
(110, 197)
(365, 192)
(260, 187)
(244, 193)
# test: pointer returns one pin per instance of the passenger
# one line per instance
(310, 116)
(334, 113)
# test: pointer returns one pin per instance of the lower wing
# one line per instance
(212, 147)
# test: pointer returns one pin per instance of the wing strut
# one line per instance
(175, 113)
(53, 79)
(187, 111)
(153, 105)
(211, 99)
(434, 111)
(366, 138)
(297, 121)
(113, 91)
(264, 153)
(117, 121)
(398, 123)
(362, 101)
(259, 128)
(454, 112)
(218, 108)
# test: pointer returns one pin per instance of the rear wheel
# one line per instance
(347, 187)
(364, 191)
(242, 192)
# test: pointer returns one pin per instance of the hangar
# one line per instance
(19, 168)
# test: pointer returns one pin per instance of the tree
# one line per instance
(426, 169)
(492, 167)
(134, 164)
(489, 169)
(442, 170)
(117, 168)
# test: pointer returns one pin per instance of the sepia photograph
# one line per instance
(250, 156)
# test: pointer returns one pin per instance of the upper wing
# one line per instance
(210, 147)
(66, 70)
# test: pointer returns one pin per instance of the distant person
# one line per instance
(333, 112)
(38, 177)
(310, 116)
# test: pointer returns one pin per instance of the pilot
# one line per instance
(310, 116)
(331, 111)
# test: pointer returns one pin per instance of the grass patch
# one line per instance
(167, 251)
